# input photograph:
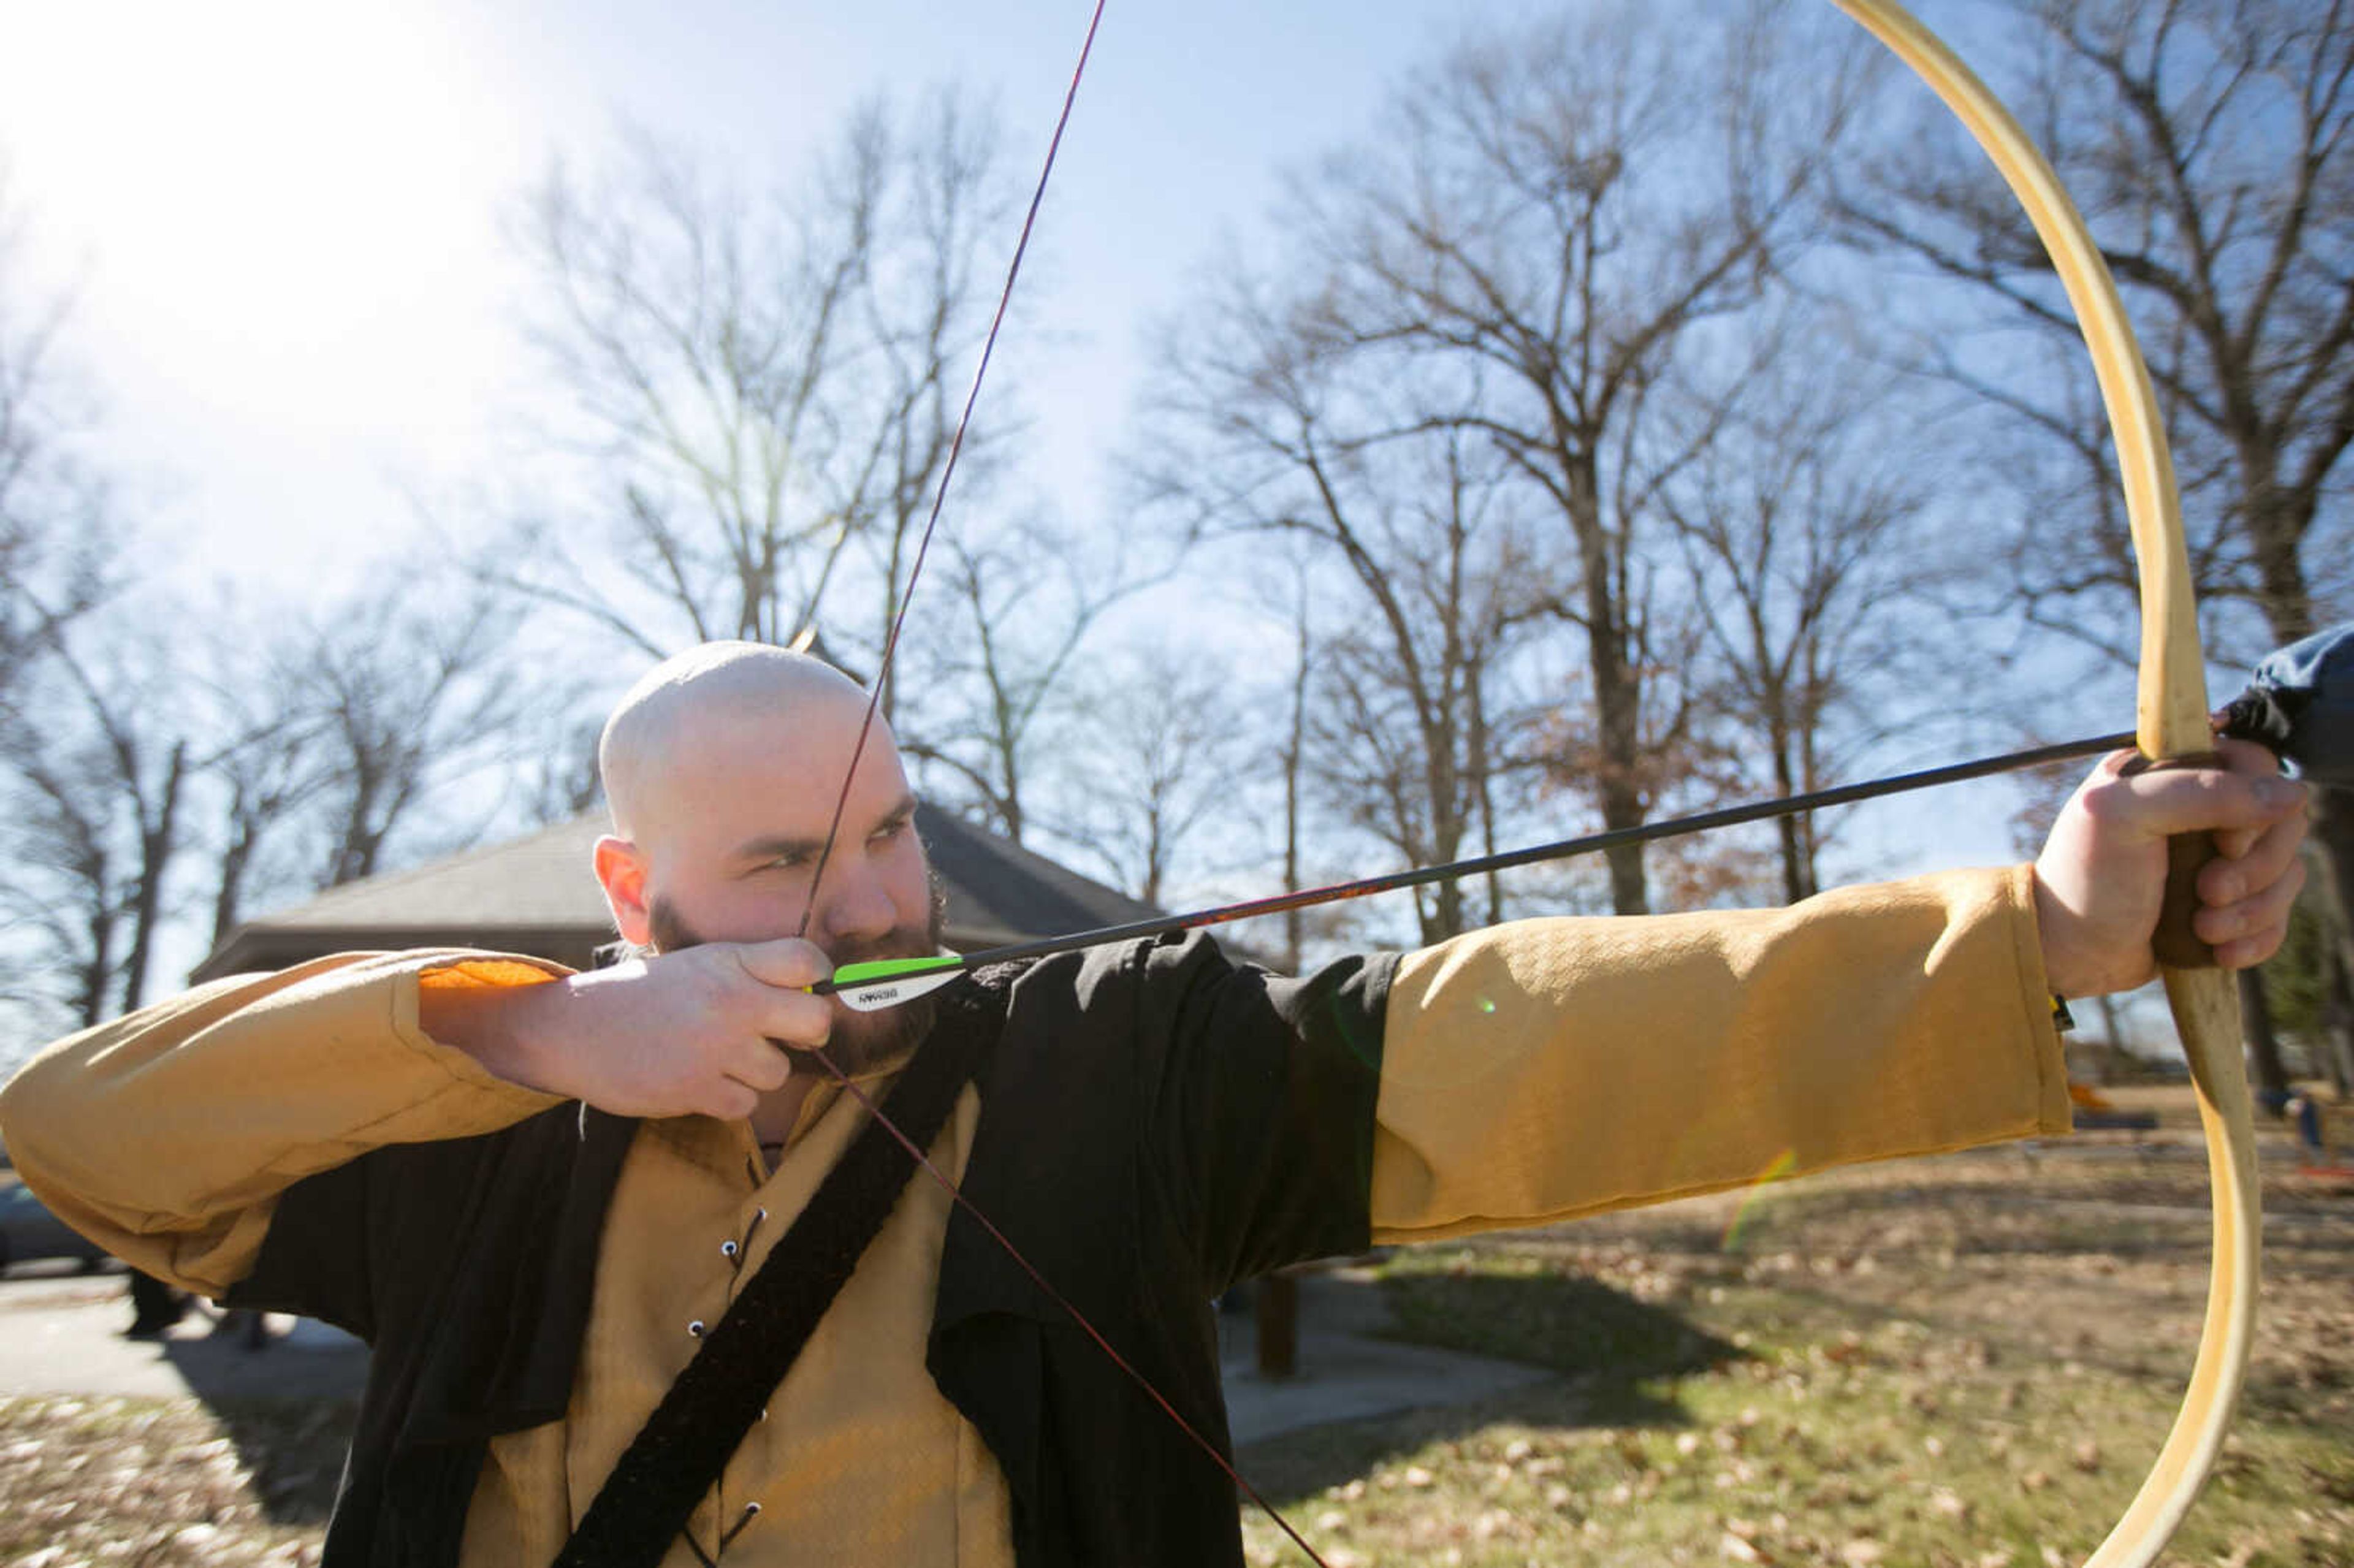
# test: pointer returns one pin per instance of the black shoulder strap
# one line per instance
(678, 1455)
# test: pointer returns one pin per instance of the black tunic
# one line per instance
(1158, 1124)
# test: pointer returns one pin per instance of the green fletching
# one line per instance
(886, 982)
(849, 975)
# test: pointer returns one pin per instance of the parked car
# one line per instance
(28, 1231)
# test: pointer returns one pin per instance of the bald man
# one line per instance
(721, 769)
(537, 1193)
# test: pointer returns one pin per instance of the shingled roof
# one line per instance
(538, 896)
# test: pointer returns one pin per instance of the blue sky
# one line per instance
(280, 221)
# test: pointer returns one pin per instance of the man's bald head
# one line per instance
(688, 703)
(729, 771)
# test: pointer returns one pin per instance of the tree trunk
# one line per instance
(2263, 1046)
(1483, 795)
(2333, 830)
(1797, 855)
(157, 843)
(2337, 1017)
(1279, 1325)
(1295, 928)
(236, 854)
(1617, 701)
(92, 996)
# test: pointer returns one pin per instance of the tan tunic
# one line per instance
(1530, 1072)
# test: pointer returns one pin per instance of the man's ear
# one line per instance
(621, 870)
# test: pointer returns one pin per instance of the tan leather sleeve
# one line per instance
(1550, 1068)
(166, 1136)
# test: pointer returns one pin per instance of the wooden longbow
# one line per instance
(2172, 725)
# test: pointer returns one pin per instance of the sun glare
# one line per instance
(277, 208)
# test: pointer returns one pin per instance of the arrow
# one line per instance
(872, 985)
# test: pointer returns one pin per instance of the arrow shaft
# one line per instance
(1560, 849)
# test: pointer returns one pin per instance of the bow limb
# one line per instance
(2172, 724)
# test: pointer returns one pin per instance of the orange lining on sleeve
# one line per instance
(484, 974)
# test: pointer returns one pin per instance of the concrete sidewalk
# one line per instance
(62, 1334)
(1346, 1371)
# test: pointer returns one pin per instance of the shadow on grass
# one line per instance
(1565, 1321)
(1613, 1353)
(288, 1409)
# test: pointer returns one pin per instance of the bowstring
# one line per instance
(956, 1193)
(850, 776)
(948, 468)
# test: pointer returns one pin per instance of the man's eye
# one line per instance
(890, 830)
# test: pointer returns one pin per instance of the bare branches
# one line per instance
(996, 679)
(97, 771)
(2212, 147)
(1795, 522)
(55, 529)
(1490, 299)
(760, 389)
(406, 692)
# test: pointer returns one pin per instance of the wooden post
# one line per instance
(1277, 1309)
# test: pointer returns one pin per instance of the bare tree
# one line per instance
(262, 775)
(1425, 532)
(1794, 522)
(406, 695)
(1549, 218)
(97, 768)
(265, 763)
(65, 888)
(1405, 734)
(561, 780)
(91, 782)
(2211, 146)
(1158, 747)
(993, 679)
(147, 782)
(54, 520)
(765, 392)
(1291, 757)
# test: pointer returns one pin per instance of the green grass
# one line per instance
(1966, 1367)
(1962, 1363)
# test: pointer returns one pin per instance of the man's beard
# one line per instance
(860, 1041)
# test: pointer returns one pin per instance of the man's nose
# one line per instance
(855, 904)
